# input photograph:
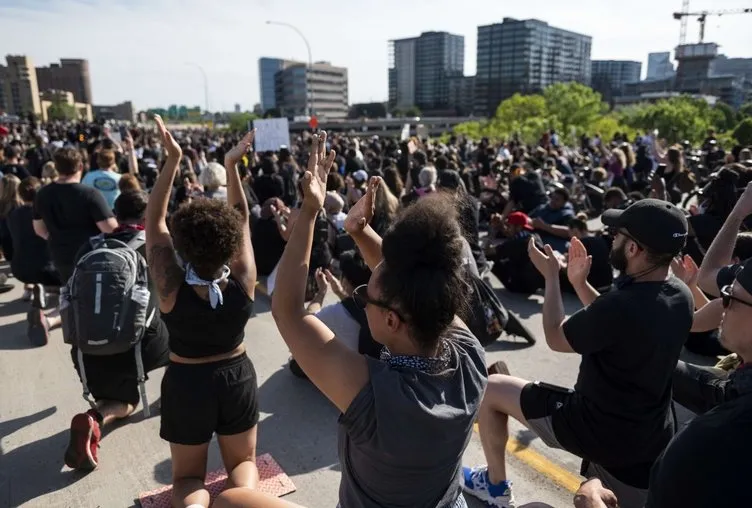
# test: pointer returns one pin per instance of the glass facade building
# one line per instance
(526, 56)
(268, 69)
(608, 77)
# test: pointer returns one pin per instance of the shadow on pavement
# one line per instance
(301, 429)
(13, 335)
(505, 343)
(34, 469)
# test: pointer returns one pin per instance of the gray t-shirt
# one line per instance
(402, 438)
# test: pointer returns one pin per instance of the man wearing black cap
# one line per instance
(618, 416)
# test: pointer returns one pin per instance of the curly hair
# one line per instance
(207, 234)
(422, 273)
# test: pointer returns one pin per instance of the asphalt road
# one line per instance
(40, 392)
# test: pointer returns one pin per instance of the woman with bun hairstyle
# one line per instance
(408, 416)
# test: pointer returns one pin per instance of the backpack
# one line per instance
(487, 317)
(366, 343)
(105, 306)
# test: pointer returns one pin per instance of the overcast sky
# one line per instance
(139, 49)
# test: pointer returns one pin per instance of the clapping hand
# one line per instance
(686, 269)
(168, 142)
(335, 284)
(322, 281)
(238, 151)
(579, 263)
(285, 219)
(546, 262)
(314, 179)
(361, 213)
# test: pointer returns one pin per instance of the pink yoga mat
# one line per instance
(273, 481)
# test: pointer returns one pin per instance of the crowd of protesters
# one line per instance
(96, 224)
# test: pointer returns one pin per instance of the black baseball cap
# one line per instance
(657, 225)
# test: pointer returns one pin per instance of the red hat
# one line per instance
(520, 219)
(3, 131)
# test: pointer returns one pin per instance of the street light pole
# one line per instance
(206, 84)
(309, 70)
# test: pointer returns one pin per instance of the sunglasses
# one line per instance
(360, 295)
(727, 296)
(617, 231)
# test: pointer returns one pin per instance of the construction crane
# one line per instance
(702, 17)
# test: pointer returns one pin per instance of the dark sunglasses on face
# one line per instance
(727, 296)
(360, 295)
(616, 231)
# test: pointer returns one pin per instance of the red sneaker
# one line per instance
(84, 442)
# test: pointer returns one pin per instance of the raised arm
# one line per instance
(160, 253)
(721, 251)
(357, 225)
(130, 152)
(243, 266)
(336, 370)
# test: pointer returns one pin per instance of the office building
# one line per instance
(421, 68)
(739, 67)
(71, 75)
(608, 77)
(660, 65)
(123, 111)
(462, 95)
(268, 69)
(526, 56)
(19, 92)
(328, 90)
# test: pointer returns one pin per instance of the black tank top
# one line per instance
(197, 330)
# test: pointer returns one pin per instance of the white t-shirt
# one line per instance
(339, 321)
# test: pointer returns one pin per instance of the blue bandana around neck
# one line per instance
(215, 292)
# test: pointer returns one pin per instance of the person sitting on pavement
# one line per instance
(618, 417)
(428, 384)
(601, 272)
(112, 380)
(32, 264)
(210, 383)
(526, 191)
(511, 261)
(551, 221)
(66, 214)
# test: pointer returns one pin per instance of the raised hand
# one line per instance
(686, 269)
(285, 220)
(335, 284)
(233, 156)
(545, 262)
(579, 263)
(314, 179)
(361, 213)
(321, 281)
(168, 142)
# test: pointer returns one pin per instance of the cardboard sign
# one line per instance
(271, 134)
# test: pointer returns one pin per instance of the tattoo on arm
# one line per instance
(165, 270)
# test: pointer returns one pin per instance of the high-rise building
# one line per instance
(526, 56)
(71, 75)
(328, 89)
(739, 67)
(660, 65)
(268, 69)
(19, 93)
(608, 77)
(421, 68)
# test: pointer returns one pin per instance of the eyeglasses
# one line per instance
(616, 231)
(727, 296)
(360, 295)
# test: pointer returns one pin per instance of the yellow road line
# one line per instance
(261, 289)
(533, 459)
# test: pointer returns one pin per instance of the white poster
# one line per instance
(421, 131)
(405, 132)
(271, 133)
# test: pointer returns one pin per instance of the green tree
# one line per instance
(239, 121)
(723, 117)
(745, 111)
(573, 105)
(743, 132)
(608, 125)
(412, 111)
(60, 110)
(676, 119)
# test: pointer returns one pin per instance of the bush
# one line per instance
(743, 132)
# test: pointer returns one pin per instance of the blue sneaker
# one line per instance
(476, 483)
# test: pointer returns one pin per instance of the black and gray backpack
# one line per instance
(105, 306)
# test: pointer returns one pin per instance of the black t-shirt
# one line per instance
(269, 186)
(705, 227)
(601, 271)
(527, 191)
(30, 250)
(268, 245)
(630, 340)
(70, 212)
(707, 463)
(14, 169)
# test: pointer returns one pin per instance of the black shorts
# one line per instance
(201, 399)
(115, 377)
(46, 276)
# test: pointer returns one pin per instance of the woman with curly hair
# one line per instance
(210, 384)
(408, 416)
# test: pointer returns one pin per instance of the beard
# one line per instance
(618, 258)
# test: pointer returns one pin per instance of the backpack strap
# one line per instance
(82, 371)
(141, 379)
(137, 241)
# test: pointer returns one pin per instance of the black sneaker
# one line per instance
(39, 297)
(515, 327)
(38, 327)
